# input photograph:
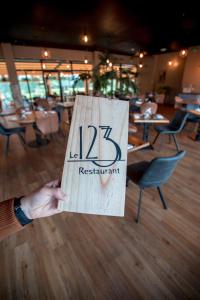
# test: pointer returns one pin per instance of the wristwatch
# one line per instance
(19, 213)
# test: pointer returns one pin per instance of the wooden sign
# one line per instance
(94, 174)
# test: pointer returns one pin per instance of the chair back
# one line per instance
(47, 122)
(178, 121)
(43, 103)
(160, 98)
(149, 107)
(160, 169)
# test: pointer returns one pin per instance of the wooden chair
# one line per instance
(46, 124)
(42, 103)
(178, 102)
(151, 107)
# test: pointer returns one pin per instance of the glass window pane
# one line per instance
(5, 90)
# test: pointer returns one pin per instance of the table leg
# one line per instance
(146, 132)
(146, 136)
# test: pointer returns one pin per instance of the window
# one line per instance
(5, 90)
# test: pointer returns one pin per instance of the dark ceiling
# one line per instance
(119, 26)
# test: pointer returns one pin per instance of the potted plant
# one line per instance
(162, 92)
(82, 77)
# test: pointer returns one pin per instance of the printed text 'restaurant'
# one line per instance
(97, 171)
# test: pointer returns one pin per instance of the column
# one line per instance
(14, 84)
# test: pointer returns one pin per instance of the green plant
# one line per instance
(127, 83)
(101, 82)
(82, 77)
(164, 89)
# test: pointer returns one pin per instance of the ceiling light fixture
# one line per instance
(140, 65)
(45, 53)
(110, 64)
(107, 60)
(163, 49)
(141, 55)
(85, 38)
(170, 63)
(183, 53)
(85, 61)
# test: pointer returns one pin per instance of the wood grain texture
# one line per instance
(137, 143)
(95, 183)
(87, 257)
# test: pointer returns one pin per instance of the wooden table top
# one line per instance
(28, 119)
(66, 104)
(194, 112)
(139, 118)
(10, 122)
(7, 112)
(188, 101)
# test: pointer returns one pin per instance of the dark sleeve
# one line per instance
(8, 222)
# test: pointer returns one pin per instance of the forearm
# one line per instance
(8, 221)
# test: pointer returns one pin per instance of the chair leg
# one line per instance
(175, 141)
(169, 138)
(22, 139)
(7, 145)
(156, 138)
(139, 206)
(162, 198)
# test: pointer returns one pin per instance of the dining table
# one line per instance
(7, 112)
(25, 120)
(147, 120)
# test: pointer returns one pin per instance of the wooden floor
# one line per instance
(75, 256)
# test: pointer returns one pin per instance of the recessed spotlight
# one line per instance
(163, 49)
(183, 53)
(170, 63)
(85, 38)
(45, 53)
(141, 55)
(86, 61)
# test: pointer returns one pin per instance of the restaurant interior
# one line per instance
(148, 56)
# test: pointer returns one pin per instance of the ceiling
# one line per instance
(120, 26)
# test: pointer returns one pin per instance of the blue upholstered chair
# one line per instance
(155, 173)
(175, 126)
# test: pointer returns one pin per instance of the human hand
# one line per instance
(43, 202)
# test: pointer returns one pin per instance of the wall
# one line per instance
(27, 52)
(156, 72)
(184, 72)
(191, 77)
